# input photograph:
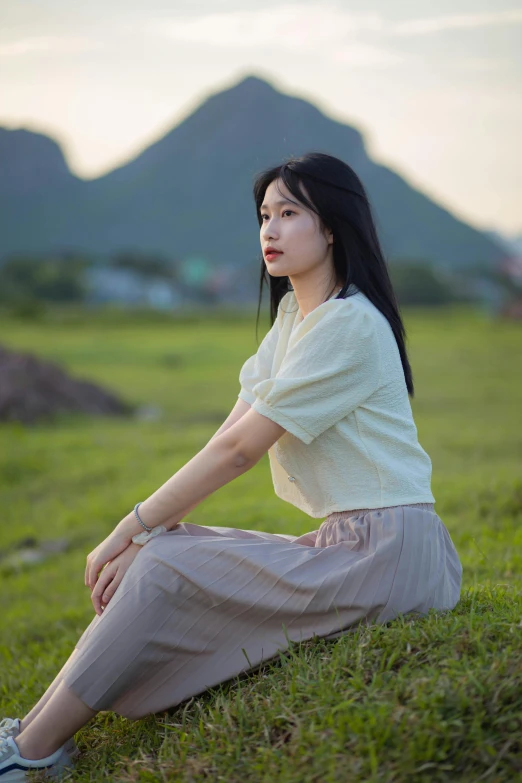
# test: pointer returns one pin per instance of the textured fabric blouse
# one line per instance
(334, 381)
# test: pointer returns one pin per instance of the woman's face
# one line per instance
(290, 227)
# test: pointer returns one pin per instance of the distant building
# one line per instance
(124, 286)
(511, 266)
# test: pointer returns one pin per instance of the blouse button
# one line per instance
(291, 478)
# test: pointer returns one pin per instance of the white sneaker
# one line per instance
(14, 768)
(10, 727)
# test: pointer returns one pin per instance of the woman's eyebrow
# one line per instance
(281, 201)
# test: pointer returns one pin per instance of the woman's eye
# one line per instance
(284, 211)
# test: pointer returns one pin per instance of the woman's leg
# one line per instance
(48, 734)
(38, 739)
(48, 693)
(60, 717)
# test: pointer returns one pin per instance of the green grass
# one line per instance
(436, 698)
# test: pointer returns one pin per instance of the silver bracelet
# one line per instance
(142, 523)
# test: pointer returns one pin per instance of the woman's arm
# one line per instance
(232, 451)
(240, 408)
(225, 457)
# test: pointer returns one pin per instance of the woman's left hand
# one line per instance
(111, 576)
(110, 548)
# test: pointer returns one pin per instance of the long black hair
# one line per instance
(339, 199)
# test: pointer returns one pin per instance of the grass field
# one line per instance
(437, 698)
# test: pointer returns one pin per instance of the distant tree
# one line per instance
(150, 266)
(419, 283)
(55, 279)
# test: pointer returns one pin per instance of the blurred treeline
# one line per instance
(28, 284)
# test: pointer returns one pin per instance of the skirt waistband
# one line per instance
(337, 515)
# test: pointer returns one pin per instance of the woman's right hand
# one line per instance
(110, 577)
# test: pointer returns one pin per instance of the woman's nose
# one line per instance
(269, 231)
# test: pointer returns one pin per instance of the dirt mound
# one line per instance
(32, 389)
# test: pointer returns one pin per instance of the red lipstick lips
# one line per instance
(271, 253)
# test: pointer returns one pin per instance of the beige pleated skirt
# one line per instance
(201, 604)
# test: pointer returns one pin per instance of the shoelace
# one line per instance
(6, 727)
(5, 749)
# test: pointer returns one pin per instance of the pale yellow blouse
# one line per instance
(334, 381)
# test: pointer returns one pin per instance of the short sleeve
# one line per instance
(330, 370)
(259, 366)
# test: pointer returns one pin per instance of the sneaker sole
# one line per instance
(61, 769)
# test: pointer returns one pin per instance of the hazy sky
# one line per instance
(435, 87)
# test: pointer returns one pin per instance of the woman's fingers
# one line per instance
(91, 570)
(94, 568)
(101, 586)
(91, 575)
(111, 588)
(108, 550)
(86, 577)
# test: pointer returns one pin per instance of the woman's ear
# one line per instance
(326, 232)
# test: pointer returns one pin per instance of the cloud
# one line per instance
(364, 54)
(47, 44)
(438, 24)
(292, 28)
(328, 30)
(485, 64)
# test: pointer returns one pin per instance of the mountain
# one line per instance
(190, 193)
(511, 244)
(34, 182)
(30, 164)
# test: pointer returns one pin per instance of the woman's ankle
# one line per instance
(28, 749)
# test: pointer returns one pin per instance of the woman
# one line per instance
(326, 395)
